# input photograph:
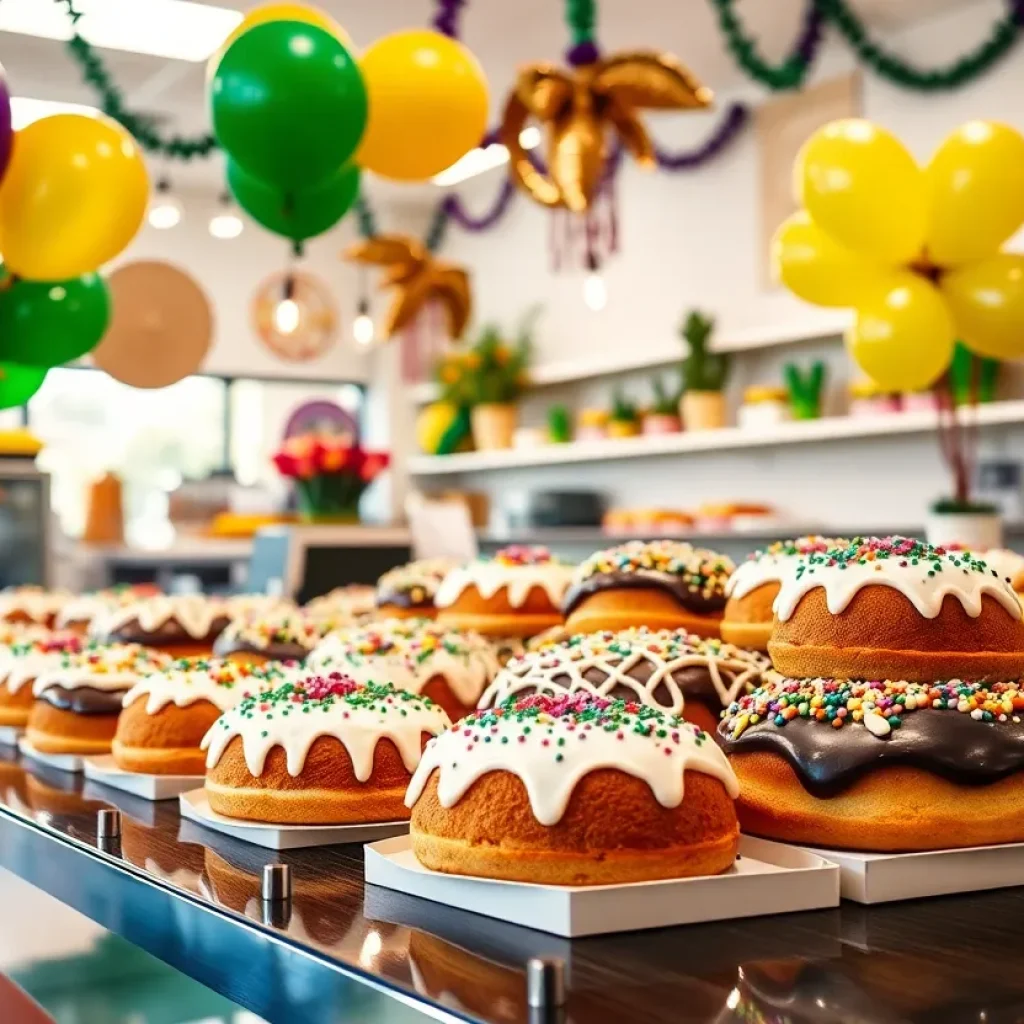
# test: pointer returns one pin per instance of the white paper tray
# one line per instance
(767, 879)
(195, 806)
(10, 734)
(63, 762)
(884, 877)
(149, 787)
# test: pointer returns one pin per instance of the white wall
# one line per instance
(232, 270)
(693, 239)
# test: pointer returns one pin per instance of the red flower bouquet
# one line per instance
(330, 474)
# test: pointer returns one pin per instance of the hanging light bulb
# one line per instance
(226, 224)
(363, 330)
(165, 209)
(287, 313)
(595, 294)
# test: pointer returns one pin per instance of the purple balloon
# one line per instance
(6, 131)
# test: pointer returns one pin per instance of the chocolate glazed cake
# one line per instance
(660, 584)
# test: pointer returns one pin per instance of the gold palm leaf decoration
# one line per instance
(580, 108)
(417, 279)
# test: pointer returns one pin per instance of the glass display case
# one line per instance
(24, 523)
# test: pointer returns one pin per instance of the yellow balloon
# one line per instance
(280, 12)
(903, 334)
(976, 192)
(428, 105)
(74, 196)
(861, 186)
(814, 267)
(987, 302)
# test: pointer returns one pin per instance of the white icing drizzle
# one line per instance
(926, 593)
(222, 683)
(194, 613)
(278, 626)
(467, 752)
(516, 579)
(115, 667)
(732, 670)
(408, 653)
(358, 728)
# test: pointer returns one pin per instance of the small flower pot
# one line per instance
(623, 428)
(702, 410)
(978, 531)
(661, 423)
(494, 425)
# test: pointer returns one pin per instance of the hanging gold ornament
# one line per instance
(580, 107)
(418, 279)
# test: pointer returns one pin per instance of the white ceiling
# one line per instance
(502, 33)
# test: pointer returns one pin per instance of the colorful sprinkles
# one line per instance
(524, 554)
(880, 705)
(904, 552)
(577, 714)
(811, 544)
(701, 570)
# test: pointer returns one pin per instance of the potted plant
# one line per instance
(488, 379)
(663, 415)
(805, 389)
(330, 473)
(702, 405)
(559, 425)
(624, 419)
(958, 519)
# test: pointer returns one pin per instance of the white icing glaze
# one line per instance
(1005, 562)
(278, 626)
(770, 566)
(344, 602)
(85, 608)
(182, 687)
(463, 755)
(32, 602)
(758, 571)
(195, 614)
(358, 728)
(517, 580)
(926, 593)
(413, 651)
(426, 574)
(116, 667)
(17, 670)
(732, 670)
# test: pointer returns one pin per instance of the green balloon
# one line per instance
(46, 323)
(298, 214)
(289, 103)
(19, 383)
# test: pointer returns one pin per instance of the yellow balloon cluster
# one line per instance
(73, 197)
(914, 251)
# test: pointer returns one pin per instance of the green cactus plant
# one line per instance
(703, 370)
(805, 389)
(665, 403)
(559, 425)
(624, 409)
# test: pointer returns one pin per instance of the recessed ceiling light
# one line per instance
(25, 110)
(175, 29)
(484, 158)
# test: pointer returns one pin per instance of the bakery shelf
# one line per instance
(833, 428)
(622, 360)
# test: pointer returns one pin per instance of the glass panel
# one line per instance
(153, 439)
(260, 411)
